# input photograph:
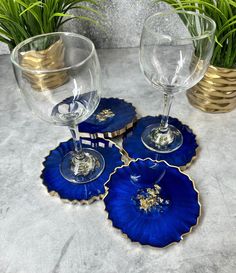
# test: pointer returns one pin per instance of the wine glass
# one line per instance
(175, 51)
(60, 79)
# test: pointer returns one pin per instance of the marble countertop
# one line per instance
(40, 234)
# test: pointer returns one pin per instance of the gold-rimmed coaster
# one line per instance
(182, 157)
(87, 193)
(152, 202)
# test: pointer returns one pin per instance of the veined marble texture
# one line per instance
(40, 234)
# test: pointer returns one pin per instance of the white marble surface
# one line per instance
(3, 49)
(40, 234)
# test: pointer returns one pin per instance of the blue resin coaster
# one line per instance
(152, 202)
(182, 157)
(80, 193)
(112, 118)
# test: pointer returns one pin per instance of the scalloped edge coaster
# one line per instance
(127, 214)
(112, 118)
(182, 157)
(68, 192)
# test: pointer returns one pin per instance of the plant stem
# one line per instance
(168, 99)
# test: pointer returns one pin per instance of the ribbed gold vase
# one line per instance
(48, 59)
(216, 92)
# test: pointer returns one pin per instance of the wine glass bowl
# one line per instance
(46, 80)
(175, 51)
(60, 79)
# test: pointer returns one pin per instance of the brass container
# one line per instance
(48, 59)
(216, 92)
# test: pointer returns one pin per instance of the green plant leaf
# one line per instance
(216, 40)
(58, 14)
(31, 7)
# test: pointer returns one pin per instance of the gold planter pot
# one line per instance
(216, 92)
(51, 58)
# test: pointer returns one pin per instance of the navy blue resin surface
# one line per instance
(132, 143)
(122, 114)
(54, 181)
(152, 202)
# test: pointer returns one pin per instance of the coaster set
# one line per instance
(150, 201)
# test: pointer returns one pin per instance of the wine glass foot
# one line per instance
(82, 167)
(162, 142)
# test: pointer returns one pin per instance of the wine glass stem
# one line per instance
(168, 98)
(74, 129)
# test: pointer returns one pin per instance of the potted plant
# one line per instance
(22, 19)
(216, 92)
